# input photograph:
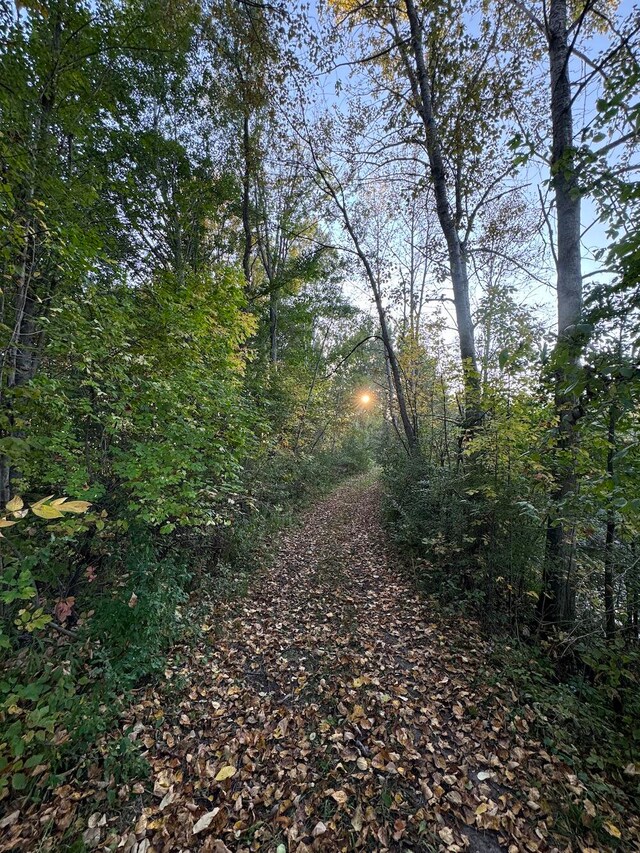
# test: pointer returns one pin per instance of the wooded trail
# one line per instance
(329, 710)
(346, 715)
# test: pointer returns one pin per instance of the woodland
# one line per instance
(319, 425)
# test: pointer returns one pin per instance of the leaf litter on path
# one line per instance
(331, 710)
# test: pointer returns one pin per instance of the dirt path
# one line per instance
(328, 711)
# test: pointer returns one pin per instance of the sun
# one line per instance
(365, 399)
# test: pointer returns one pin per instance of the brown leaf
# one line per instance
(341, 797)
(446, 835)
(356, 820)
(10, 819)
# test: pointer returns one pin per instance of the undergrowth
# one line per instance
(63, 690)
(477, 555)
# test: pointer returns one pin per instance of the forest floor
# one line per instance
(332, 710)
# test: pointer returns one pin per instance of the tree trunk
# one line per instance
(273, 327)
(421, 88)
(246, 200)
(407, 425)
(610, 536)
(557, 599)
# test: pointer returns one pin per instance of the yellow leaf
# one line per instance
(482, 808)
(77, 507)
(4, 522)
(612, 829)
(15, 504)
(225, 773)
(41, 501)
(46, 511)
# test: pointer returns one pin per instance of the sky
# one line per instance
(334, 90)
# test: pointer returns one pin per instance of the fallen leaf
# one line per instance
(225, 773)
(612, 829)
(455, 798)
(168, 798)
(162, 783)
(205, 821)
(10, 819)
(446, 835)
(356, 820)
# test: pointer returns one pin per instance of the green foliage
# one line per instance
(18, 586)
(37, 702)
(475, 533)
(135, 378)
(58, 700)
(132, 627)
(575, 715)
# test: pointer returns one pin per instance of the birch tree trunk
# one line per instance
(557, 599)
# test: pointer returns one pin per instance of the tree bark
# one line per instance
(273, 326)
(246, 200)
(421, 89)
(610, 535)
(557, 599)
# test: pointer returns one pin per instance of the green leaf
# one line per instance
(19, 781)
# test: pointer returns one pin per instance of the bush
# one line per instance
(470, 545)
(59, 693)
(120, 600)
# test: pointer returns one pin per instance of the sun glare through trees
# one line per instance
(319, 426)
